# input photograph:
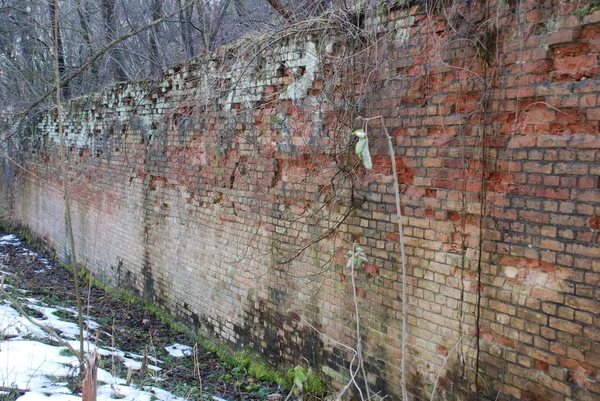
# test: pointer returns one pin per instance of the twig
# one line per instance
(90, 382)
(403, 257)
(66, 190)
(361, 363)
(112, 354)
(437, 379)
(291, 392)
(353, 372)
(144, 367)
(323, 236)
(13, 390)
(402, 250)
(197, 368)
(29, 171)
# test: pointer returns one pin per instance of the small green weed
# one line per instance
(34, 313)
(65, 352)
(65, 315)
(187, 391)
(306, 381)
(243, 360)
(11, 394)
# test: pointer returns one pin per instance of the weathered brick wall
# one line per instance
(228, 194)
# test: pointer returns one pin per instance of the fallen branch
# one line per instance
(13, 390)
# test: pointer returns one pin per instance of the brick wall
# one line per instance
(228, 194)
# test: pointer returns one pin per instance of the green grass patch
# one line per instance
(65, 352)
(65, 315)
(242, 361)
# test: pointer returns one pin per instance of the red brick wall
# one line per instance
(228, 194)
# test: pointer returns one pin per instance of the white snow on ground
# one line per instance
(13, 324)
(27, 362)
(179, 350)
(138, 356)
(137, 365)
(46, 266)
(44, 369)
(35, 396)
(10, 239)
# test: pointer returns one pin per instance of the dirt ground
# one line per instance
(133, 329)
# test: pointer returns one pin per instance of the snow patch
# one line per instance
(179, 350)
(10, 239)
(44, 370)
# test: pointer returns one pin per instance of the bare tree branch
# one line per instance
(84, 67)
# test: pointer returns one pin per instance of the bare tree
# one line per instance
(58, 45)
(91, 27)
(25, 52)
(210, 21)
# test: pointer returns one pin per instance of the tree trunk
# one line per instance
(278, 6)
(114, 62)
(185, 23)
(58, 46)
(210, 18)
(87, 36)
(90, 382)
(155, 60)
